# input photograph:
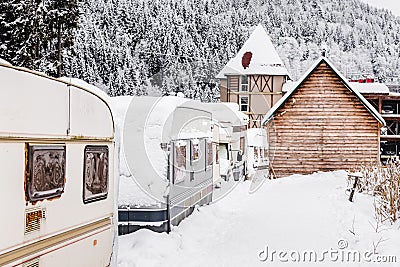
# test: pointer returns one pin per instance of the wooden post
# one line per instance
(273, 90)
(380, 104)
(354, 187)
(379, 142)
(272, 174)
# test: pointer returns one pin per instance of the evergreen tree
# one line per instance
(62, 19)
(38, 34)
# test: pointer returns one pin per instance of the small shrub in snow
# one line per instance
(383, 182)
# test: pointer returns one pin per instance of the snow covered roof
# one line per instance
(264, 58)
(257, 137)
(288, 86)
(370, 88)
(270, 114)
(192, 120)
(145, 123)
(143, 127)
(227, 113)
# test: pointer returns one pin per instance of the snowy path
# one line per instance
(295, 213)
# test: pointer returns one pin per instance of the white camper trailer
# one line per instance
(56, 174)
(257, 150)
(232, 125)
(167, 144)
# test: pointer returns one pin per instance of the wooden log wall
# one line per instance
(233, 86)
(223, 90)
(233, 83)
(322, 127)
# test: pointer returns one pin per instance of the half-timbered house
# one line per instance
(254, 77)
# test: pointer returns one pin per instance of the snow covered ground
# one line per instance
(285, 219)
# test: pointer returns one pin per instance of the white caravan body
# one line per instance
(232, 139)
(167, 146)
(56, 172)
(257, 150)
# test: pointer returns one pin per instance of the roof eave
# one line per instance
(362, 99)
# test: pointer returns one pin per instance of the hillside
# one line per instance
(140, 47)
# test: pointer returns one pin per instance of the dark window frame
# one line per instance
(47, 172)
(98, 149)
(194, 151)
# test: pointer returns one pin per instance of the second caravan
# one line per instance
(168, 151)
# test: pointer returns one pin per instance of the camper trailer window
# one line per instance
(95, 174)
(216, 154)
(179, 163)
(209, 153)
(256, 154)
(46, 166)
(195, 149)
(242, 144)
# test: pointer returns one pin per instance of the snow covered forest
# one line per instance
(140, 47)
(38, 34)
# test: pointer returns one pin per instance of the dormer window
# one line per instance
(245, 83)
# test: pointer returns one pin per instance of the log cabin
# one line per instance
(386, 99)
(322, 124)
(254, 77)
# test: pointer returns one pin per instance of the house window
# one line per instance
(46, 168)
(95, 174)
(244, 104)
(245, 84)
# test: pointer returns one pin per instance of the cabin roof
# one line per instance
(270, 114)
(264, 60)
